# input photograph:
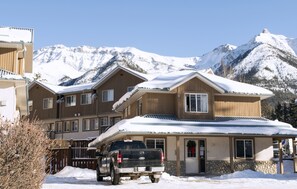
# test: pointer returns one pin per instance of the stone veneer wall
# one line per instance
(218, 167)
(170, 167)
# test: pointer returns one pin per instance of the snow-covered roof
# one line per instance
(12, 34)
(168, 82)
(158, 126)
(55, 89)
(4, 74)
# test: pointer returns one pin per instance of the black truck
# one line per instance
(127, 158)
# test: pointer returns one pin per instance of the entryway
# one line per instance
(195, 156)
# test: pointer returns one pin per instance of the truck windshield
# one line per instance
(127, 145)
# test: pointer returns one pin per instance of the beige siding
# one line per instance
(263, 149)
(7, 59)
(171, 148)
(218, 148)
(154, 103)
(237, 106)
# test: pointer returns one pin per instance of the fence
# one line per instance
(75, 156)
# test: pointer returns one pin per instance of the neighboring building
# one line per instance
(204, 123)
(16, 57)
(81, 112)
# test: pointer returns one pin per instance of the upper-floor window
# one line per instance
(244, 148)
(47, 103)
(130, 88)
(196, 102)
(70, 100)
(107, 95)
(85, 98)
(90, 124)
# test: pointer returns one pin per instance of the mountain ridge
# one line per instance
(267, 60)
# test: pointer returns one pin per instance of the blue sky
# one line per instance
(167, 27)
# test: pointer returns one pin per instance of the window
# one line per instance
(30, 105)
(155, 143)
(107, 95)
(90, 124)
(59, 126)
(114, 120)
(67, 126)
(74, 125)
(70, 101)
(103, 121)
(47, 103)
(51, 127)
(86, 99)
(196, 102)
(139, 107)
(130, 88)
(244, 148)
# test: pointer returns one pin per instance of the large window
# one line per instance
(107, 95)
(47, 103)
(85, 98)
(103, 121)
(90, 124)
(70, 100)
(155, 143)
(196, 102)
(59, 126)
(244, 148)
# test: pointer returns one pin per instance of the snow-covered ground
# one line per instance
(76, 178)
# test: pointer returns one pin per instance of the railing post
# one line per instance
(69, 162)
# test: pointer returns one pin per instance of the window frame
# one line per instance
(109, 92)
(155, 143)
(50, 101)
(88, 97)
(73, 99)
(244, 150)
(101, 118)
(189, 110)
(94, 127)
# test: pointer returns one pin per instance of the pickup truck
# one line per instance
(127, 158)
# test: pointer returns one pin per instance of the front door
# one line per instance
(195, 156)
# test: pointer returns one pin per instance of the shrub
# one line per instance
(23, 152)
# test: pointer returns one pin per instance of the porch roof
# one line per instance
(167, 126)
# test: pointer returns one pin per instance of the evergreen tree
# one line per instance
(293, 113)
(279, 112)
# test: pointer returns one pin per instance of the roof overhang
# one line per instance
(113, 72)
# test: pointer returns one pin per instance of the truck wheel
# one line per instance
(99, 178)
(115, 178)
(154, 180)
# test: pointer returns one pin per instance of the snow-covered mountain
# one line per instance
(267, 60)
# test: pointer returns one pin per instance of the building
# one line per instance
(16, 57)
(81, 112)
(204, 123)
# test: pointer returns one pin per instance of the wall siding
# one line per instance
(119, 82)
(156, 103)
(7, 58)
(37, 94)
(194, 86)
(237, 106)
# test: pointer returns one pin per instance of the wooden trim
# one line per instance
(294, 155)
(177, 156)
(231, 154)
(281, 163)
